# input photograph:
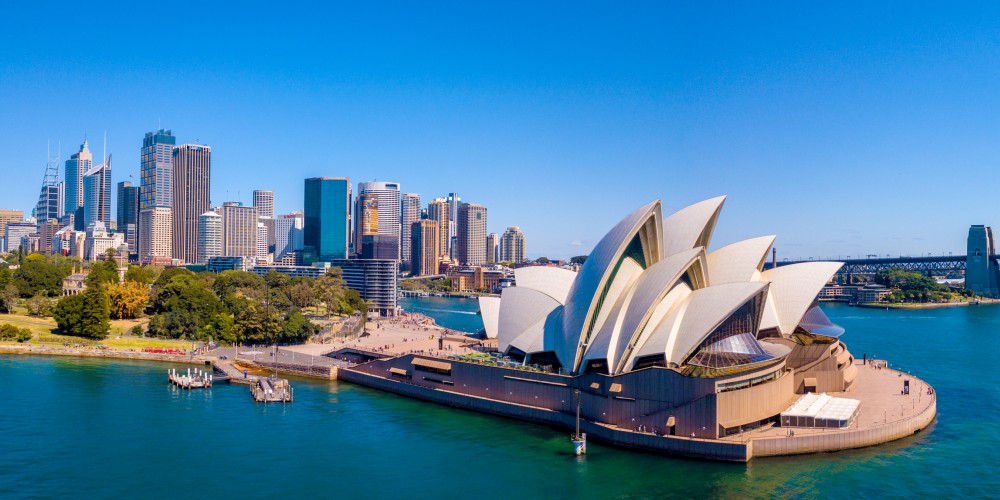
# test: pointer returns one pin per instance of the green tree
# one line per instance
(182, 307)
(330, 289)
(11, 332)
(543, 260)
(252, 324)
(103, 272)
(39, 274)
(297, 328)
(84, 315)
(8, 292)
(145, 275)
(579, 259)
(302, 293)
(39, 306)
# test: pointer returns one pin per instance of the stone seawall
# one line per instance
(89, 352)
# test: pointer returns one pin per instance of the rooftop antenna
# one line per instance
(104, 153)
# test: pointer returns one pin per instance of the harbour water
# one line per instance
(98, 428)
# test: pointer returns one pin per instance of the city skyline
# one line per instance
(846, 111)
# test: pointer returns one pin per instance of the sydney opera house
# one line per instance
(666, 346)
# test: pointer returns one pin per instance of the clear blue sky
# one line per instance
(844, 129)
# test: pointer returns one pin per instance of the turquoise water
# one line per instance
(96, 428)
(454, 313)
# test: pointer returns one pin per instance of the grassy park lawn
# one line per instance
(43, 330)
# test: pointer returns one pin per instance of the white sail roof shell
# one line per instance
(691, 226)
(793, 288)
(521, 309)
(552, 281)
(740, 261)
(581, 301)
(687, 326)
(651, 287)
(706, 309)
(489, 308)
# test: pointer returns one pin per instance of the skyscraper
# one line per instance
(426, 247)
(156, 189)
(437, 211)
(97, 194)
(388, 196)
(454, 202)
(51, 197)
(262, 246)
(409, 212)
(191, 187)
(128, 213)
(287, 234)
(155, 228)
(76, 166)
(492, 245)
(264, 202)
(157, 170)
(471, 239)
(239, 230)
(209, 236)
(512, 246)
(327, 218)
(365, 218)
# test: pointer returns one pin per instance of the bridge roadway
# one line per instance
(925, 264)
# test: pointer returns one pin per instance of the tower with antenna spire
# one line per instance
(50, 199)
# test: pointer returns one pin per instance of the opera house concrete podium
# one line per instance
(668, 347)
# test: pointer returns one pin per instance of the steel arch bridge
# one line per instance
(930, 265)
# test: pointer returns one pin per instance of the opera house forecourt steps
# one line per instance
(664, 346)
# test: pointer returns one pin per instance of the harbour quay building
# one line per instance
(664, 346)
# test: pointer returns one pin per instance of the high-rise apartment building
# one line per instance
(471, 239)
(76, 166)
(264, 202)
(327, 218)
(425, 247)
(454, 202)
(156, 188)
(128, 213)
(97, 194)
(287, 234)
(492, 247)
(388, 196)
(512, 246)
(155, 228)
(239, 230)
(409, 212)
(209, 236)
(438, 211)
(191, 188)
(377, 280)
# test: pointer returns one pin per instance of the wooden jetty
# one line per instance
(271, 390)
(196, 380)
